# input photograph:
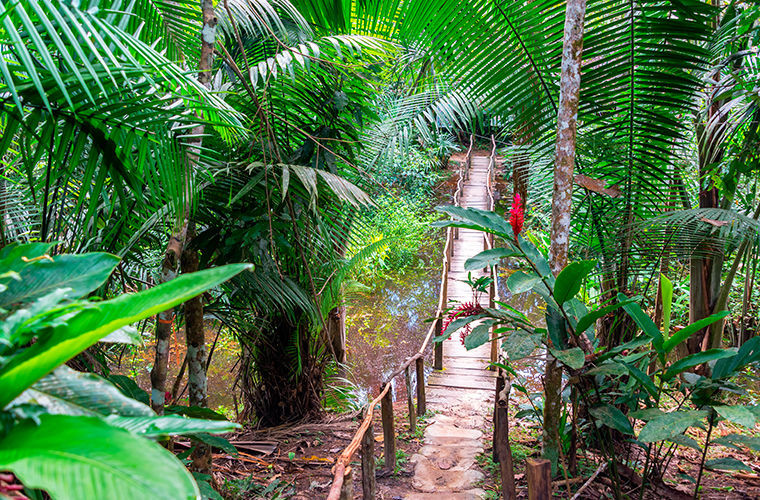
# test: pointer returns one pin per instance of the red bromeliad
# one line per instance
(463, 310)
(517, 215)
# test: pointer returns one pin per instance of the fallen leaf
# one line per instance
(597, 186)
(716, 223)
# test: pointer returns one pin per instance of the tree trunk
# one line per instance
(174, 249)
(164, 324)
(336, 332)
(567, 115)
(196, 353)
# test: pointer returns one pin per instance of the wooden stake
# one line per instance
(368, 464)
(389, 434)
(421, 404)
(501, 445)
(347, 490)
(438, 348)
(410, 402)
(539, 474)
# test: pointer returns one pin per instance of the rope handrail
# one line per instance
(344, 459)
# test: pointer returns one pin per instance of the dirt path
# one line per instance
(460, 395)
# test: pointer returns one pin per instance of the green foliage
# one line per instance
(400, 229)
(71, 434)
(240, 489)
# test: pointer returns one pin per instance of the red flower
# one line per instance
(517, 215)
(463, 310)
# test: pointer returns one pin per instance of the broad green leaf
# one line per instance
(735, 440)
(11, 255)
(456, 325)
(610, 368)
(170, 425)
(537, 258)
(646, 414)
(666, 288)
(519, 282)
(589, 319)
(216, 441)
(570, 280)
(727, 463)
(737, 414)
(688, 331)
(76, 458)
(628, 346)
(479, 336)
(194, 412)
(668, 425)
(521, 344)
(129, 388)
(747, 353)
(474, 218)
(80, 274)
(124, 335)
(643, 379)
(613, 418)
(574, 357)
(90, 325)
(643, 321)
(694, 360)
(684, 440)
(69, 392)
(488, 258)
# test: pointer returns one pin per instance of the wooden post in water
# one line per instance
(368, 463)
(539, 473)
(420, 365)
(389, 434)
(410, 402)
(347, 490)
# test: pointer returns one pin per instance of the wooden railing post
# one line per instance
(347, 490)
(420, 366)
(491, 304)
(539, 474)
(501, 447)
(389, 433)
(410, 401)
(368, 464)
(438, 348)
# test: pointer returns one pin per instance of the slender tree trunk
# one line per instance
(567, 116)
(164, 324)
(564, 162)
(196, 352)
(174, 249)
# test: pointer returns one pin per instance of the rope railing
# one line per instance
(342, 485)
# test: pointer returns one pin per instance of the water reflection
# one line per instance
(386, 326)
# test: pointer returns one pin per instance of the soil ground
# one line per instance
(300, 465)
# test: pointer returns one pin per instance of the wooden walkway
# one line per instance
(465, 369)
(461, 395)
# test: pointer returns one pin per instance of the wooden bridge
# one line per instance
(460, 390)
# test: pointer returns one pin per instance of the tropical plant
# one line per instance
(71, 434)
(639, 379)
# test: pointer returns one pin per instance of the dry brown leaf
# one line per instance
(597, 186)
(716, 223)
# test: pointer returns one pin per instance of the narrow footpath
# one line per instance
(460, 395)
